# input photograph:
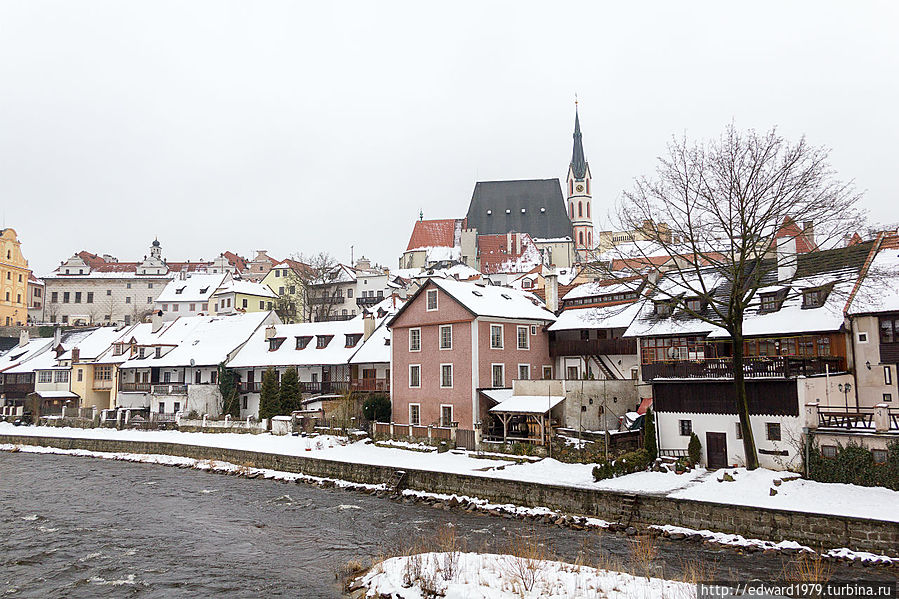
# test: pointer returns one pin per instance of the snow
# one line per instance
(97, 342)
(531, 404)
(491, 300)
(17, 355)
(441, 254)
(246, 288)
(595, 288)
(603, 317)
(196, 288)
(497, 576)
(749, 488)
(879, 291)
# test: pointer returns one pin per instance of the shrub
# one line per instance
(377, 408)
(694, 450)
(634, 461)
(649, 435)
(854, 464)
(269, 395)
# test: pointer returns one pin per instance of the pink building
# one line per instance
(452, 339)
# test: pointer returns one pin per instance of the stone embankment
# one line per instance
(815, 530)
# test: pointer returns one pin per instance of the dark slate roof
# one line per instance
(533, 206)
(578, 162)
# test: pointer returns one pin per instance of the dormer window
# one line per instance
(769, 302)
(352, 340)
(302, 342)
(141, 353)
(694, 305)
(274, 343)
(204, 290)
(179, 290)
(814, 298)
(322, 341)
(158, 352)
(663, 308)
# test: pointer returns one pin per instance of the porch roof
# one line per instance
(528, 404)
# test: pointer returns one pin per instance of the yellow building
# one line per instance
(14, 274)
(286, 281)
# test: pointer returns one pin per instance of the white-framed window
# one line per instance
(446, 376)
(162, 407)
(863, 337)
(533, 329)
(414, 339)
(62, 376)
(414, 376)
(524, 340)
(547, 372)
(415, 414)
(887, 375)
(496, 336)
(45, 376)
(524, 372)
(446, 336)
(498, 375)
(446, 415)
(432, 300)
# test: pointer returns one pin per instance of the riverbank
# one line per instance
(503, 483)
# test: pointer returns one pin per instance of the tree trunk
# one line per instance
(752, 459)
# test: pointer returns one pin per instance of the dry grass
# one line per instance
(522, 565)
(807, 567)
(643, 552)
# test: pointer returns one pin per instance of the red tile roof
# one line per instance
(496, 250)
(789, 228)
(433, 233)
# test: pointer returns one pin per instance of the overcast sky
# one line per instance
(301, 126)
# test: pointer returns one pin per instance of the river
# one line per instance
(84, 527)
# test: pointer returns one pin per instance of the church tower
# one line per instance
(579, 198)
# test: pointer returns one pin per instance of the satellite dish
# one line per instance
(193, 362)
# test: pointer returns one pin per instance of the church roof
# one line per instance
(433, 233)
(578, 162)
(535, 207)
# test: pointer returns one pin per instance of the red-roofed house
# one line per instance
(433, 241)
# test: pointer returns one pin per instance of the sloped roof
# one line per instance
(491, 300)
(18, 355)
(535, 207)
(495, 255)
(195, 288)
(600, 317)
(433, 233)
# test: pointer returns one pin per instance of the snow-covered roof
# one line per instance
(602, 317)
(97, 342)
(47, 360)
(194, 288)
(375, 349)
(246, 288)
(529, 404)
(491, 300)
(256, 352)
(441, 254)
(18, 355)
(56, 394)
(201, 340)
(602, 288)
(879, 290)
(497, 395)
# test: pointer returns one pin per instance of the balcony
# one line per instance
(169, 389)
(250, 387)
(319, 387)
(135, 387)
(329, 300)
(15, 390)
(371, 385)
(756, 367)
(364, 302)
(593, 347)
(102, 384)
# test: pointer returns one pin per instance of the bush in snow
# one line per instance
(289, 393)
(694, 450)
(377, 408)
(634, 461)
(269, 395)
(855, 465)
(649, 435)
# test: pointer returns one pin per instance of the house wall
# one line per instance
(826, 390)
(101, 398)
(537, 356)
(14, 275)
(871, 383)
(604, 401)
(110, 298)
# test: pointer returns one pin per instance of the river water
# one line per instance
(83, 527)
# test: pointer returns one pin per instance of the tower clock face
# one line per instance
(579, 187)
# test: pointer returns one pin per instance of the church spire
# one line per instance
(578, 162)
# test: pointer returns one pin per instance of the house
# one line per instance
(14, 277)
(453, 339)
(259, 267)
(286, 280)
(796, 351)
(53, 369)
(35, 299)
(192, 295)
(95, 383)
(235, 296)
(15, 386)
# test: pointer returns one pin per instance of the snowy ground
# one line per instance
(492, 576)
(748, 488)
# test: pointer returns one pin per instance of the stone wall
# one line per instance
(815, 530)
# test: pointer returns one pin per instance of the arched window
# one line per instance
(588, 209)
(580, 237)
(589, 238)
(588, 186)
(570, 187)
(580, 209)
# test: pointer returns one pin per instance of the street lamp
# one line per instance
(845, 390)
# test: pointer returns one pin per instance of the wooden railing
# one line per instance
(593, 347)
(169, 389)
(102, 384)
(774, 367)
(16, 389)
(135, 387)
(367, 385)
(325, 387)
(841, 418)
(250, 386)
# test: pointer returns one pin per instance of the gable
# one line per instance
(533, 206)
(414, 312)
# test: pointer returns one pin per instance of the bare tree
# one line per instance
(317, 284)
(724, 204)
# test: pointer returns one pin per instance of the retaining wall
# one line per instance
(815, 530)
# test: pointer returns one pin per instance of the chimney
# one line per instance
(786, 258)
(270, 332)
(183, 274)
(23, 338)
(156, 321)
(551, 289)
(808, 231)
(57, 336)
(368, 321)
(76, 355)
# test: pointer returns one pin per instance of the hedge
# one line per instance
(628, 463)
(854, 464)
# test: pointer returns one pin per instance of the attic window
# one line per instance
(814, 298)
(506, 296)
(322, 341)
(489, 212)
(179, 290)
(508, 211)
(769, 302)
(204, 289)
(523, 210)
(302, 342)
(157, 352)
(274, 343)
(663, 308)
(477, 293)
(352, 340)
(694, 305)
(542, 209)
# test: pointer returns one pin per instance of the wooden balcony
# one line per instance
(371, 385)
(327, 387)
(12, 390)
(135, 387)
(102, 384)
(757, 367)
(169, 389)
(368, 301)
(250, 387)
(593, 347)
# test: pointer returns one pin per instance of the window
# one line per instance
(166, 377)
(879, 455)
(572, 373)
(162, 407)
(863, 337)
(322, 341)
(90, 297)
(414, 376)
(813, 298)
(261, 304)
(193, 307)
(204, 307)
(663, 308)
(352, 340)
(198, 377)
(524, 341)
(245, 402)
(889, 330)
(772, 431)
(244, 303)
(128, 301)
(80, 372)
(498, 375)
(414, 414)
(686, 428)
(887, 376)
(547, 372)
(176, 407)
(157, 352)
(671, 348)
(54, 297)
(149, 285)
(769, 302)
(446, 336)
(65, 297)
(109, 292)
(446, 376)
(45, 376)
(128, 285)
(694, 305)
(274, 343)
(102, 373)
(496, 336)
(887, 397)
(349, 292)
(533, 329)
(829, 451)
(214, 377)
(62, 376)
(739, 431)
(446, 415)
(149, 299)
(414, 339)
(302, 342)
(432, 300)
(524, 372)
